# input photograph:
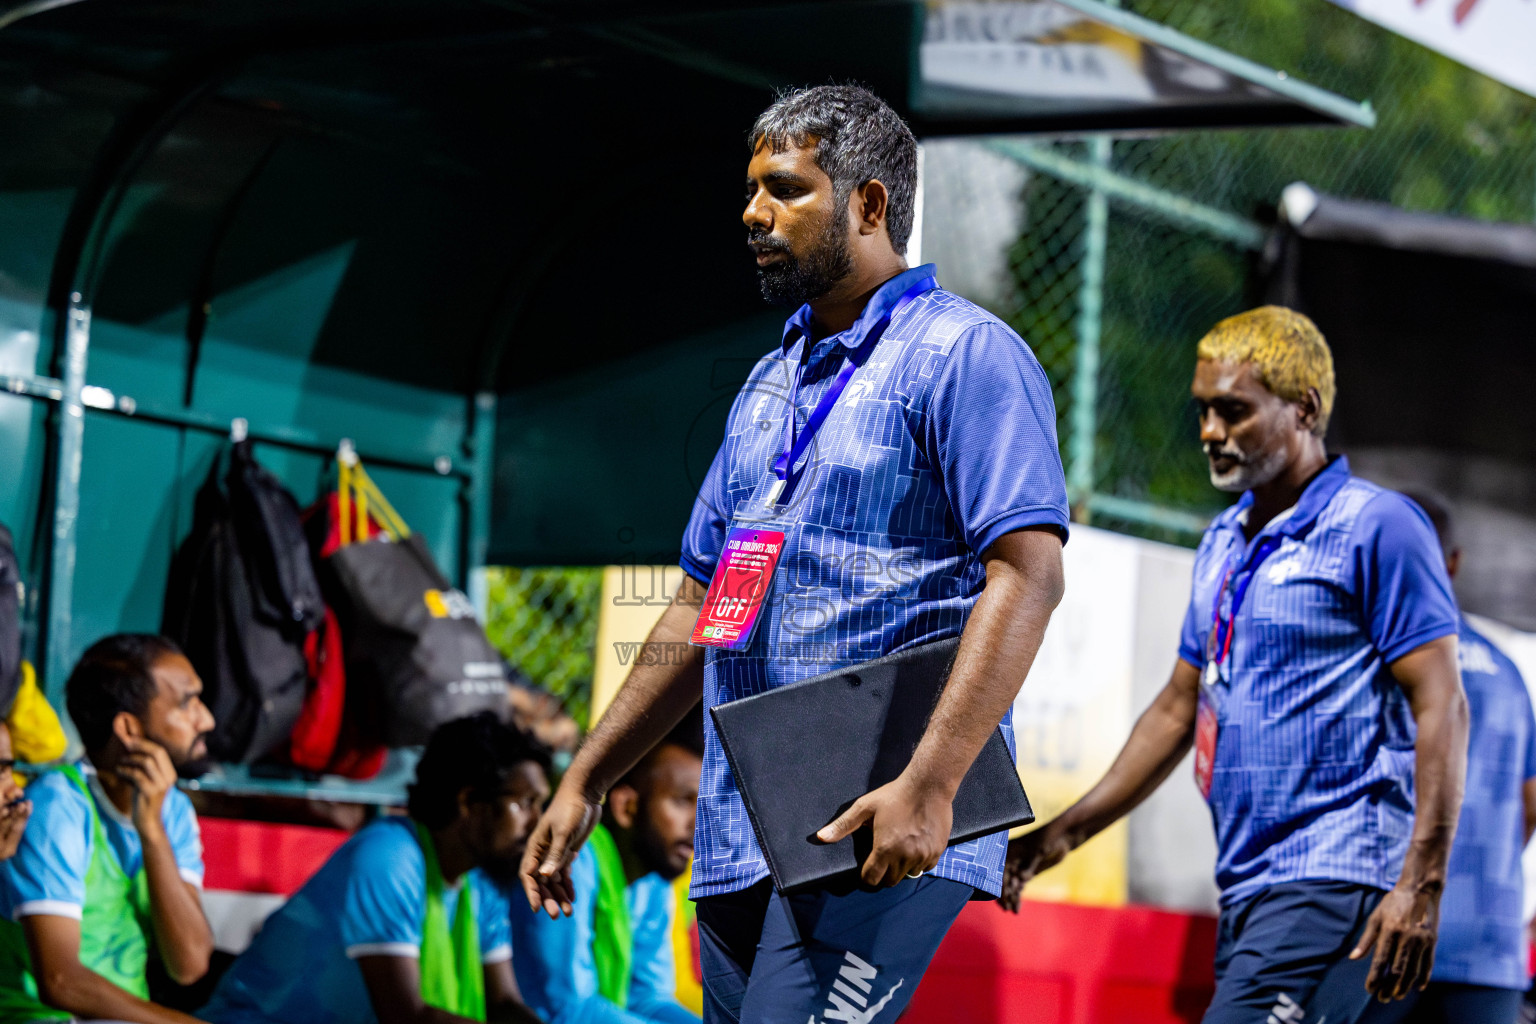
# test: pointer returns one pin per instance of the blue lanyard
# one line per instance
(795, 446)
(1219, 644)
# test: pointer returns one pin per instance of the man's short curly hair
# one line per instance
(858, 139)
(116, 673)
(1288, 354)
(478, 753)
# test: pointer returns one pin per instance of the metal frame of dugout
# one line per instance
(378, 219)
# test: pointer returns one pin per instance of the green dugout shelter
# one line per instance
(495, 243)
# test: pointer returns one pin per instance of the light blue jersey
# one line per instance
(1314, 757)
(556, 971)
(367, 900)
(1482, 938)
(47, 874)
(944, 440)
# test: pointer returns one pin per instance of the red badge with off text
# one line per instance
(740, 584)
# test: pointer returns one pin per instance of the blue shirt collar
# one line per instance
(800, 325)
(1308, 507)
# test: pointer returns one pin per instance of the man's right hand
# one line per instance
(1028, 855)
(546, 871)
(147, 767)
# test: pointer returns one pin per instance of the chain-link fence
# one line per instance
(544, 622)
(1113, 307)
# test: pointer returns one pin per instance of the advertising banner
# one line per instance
(1496, 37)
(1074, 710)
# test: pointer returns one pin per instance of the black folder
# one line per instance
(801, 754)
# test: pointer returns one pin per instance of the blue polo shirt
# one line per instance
(1482, 938)
(944, 440)
(1313, 771)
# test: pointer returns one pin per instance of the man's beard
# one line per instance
(1249, 472)
(188, 766)
(651, 851)
(792, 281)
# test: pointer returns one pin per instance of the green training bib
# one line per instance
(613, 941)
(113, 929)
(452, 977)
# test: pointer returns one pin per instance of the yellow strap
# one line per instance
(355, 493)
(391, 520)
(344, 501)
(360, 502)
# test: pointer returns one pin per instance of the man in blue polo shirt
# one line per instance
(1480, 962)
(906, 439)
(1317, 679)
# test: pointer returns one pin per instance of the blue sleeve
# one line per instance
(491, 912)
(386, 893)
(653, 977)
(1530, 729)
(991, 435)
(186, 838)
(1405, 594)
(47, 874)
(1195, 632)
(553, 958)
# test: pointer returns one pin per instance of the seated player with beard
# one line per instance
(112, 858)
(611, 962)
(401, 925)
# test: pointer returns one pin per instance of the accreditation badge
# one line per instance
(1207, 726)
(743, 579)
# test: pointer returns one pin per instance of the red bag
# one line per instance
(331, 735)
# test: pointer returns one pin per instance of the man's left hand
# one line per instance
(1402, 928)
(911, 827)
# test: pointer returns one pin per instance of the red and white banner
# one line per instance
(1496, 37)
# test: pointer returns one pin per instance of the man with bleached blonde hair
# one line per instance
(1317, 681)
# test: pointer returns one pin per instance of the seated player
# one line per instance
(15, 808)
(400, 926)
(112, 860)
(611, 962)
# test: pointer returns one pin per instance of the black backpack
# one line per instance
(241, 598)
(10, 621)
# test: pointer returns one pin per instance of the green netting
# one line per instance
(544, 622)
(1448, 140)
(1046, 264)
